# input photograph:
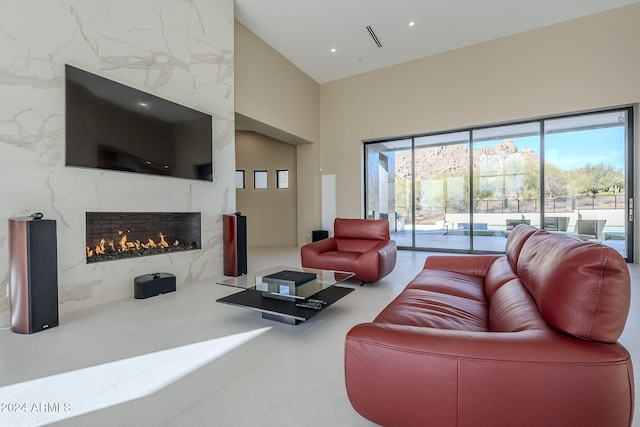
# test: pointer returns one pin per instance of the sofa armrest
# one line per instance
(499, 378)
(475, 265)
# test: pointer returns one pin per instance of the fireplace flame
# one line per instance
(123, 242)
(125, 245)
(100, 249)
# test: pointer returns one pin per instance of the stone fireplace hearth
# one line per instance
(111, 236)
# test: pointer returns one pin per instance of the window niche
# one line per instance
(282, 178)
(260, 179)
(240, 182)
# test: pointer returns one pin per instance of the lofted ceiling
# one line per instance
(305, 31)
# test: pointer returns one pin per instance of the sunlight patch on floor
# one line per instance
(63, 396)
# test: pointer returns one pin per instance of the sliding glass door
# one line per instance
(586, 180)
(464, 191)
(506, 182)
(441, 195)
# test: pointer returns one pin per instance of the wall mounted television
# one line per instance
(113, 126)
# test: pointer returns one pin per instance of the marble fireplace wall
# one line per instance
(176, 49)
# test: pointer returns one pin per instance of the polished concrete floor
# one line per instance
(182, 359)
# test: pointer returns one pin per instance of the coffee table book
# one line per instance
(290, 277)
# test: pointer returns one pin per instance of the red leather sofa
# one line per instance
(528, 338)
(361, 246)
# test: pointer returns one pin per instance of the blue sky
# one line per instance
(571, 150)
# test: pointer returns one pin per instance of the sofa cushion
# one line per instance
(442, 300)
(580, 288)
(450, 282)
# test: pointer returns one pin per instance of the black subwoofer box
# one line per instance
(319, 235)
(150, 285)
(33, 262)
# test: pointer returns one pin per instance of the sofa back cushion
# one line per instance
(497, 275)
(582, 289)
(512, 309)
(515, 242)
(372, 229)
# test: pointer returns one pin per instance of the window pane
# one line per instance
(260, 179)
(584, 174)
(239, 179)
(442, 191)
(389, 182)
(282, 179)
(506, 182)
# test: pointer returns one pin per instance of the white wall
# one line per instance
(181, 51)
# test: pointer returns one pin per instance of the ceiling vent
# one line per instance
(373, 36)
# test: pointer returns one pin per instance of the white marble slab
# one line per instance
(178, 50)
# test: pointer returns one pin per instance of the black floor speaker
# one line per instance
(33, 263)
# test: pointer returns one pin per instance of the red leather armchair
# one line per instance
(361, 246)
(528, 338)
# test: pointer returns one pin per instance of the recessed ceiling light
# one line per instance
(333, 50)
(412, 23)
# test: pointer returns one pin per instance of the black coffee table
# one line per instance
(280, 300)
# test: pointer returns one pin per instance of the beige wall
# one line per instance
(273, 90)
(585, 64)
(271, 212)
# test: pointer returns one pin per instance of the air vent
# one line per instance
(373, 36)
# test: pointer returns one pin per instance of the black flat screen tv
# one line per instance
(113, 126)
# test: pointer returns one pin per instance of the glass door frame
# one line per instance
(629, 175)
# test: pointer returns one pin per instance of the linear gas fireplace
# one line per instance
(120, 235)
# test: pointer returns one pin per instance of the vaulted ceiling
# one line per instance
(305, 31)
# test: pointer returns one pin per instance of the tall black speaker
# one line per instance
(234, 237)
(33, 265)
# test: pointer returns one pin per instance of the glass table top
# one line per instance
(260, 281)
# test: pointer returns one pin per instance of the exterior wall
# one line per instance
(181, 51)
